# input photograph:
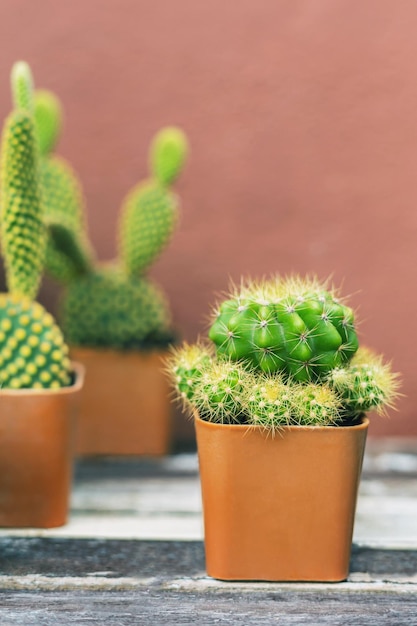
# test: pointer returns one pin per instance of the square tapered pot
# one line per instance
(279, 507)
(36, 454)
(124, 406)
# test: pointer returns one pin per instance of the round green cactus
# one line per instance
(315, 405)
(268, 401)
(367, 383)
(108, 308)
(295, 327)
(185, 366)
(33, 353)
(218, 394)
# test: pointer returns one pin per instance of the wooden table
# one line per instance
(132, 553)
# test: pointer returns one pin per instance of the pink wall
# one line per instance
(303, 122)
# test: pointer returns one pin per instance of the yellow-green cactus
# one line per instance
(48, 119)
(367, 383)
(185, 366)
(21, 81)
(167, 155)
(32, 350)
(219, 393)
(123, 308)
(150, 211)
(23, 233)
(33, 353)
(107, 308)
(63, 202)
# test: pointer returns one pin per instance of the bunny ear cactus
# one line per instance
(63, 207)
(23, 233)
(48, 120)
(32, 349)
(22, 87)
(286, 354)
(62, 195)
(115, 305)
(150, 211)
(106, 308)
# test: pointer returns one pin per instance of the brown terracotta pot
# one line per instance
(279, 508)
(36, 452)
(125, 405)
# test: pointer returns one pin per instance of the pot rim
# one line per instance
(246, 428)
(77, 369)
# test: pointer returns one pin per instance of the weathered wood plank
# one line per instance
(164, 560)
(156, 607)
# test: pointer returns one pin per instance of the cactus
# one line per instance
(268, 401)
(150, 211)
(366, 384)
(63, 206)
(23, 233)
(32, 349)
(62, 195)
(115, 305)
(33, 352)
(334, 386)
(185, 365)
(296, 327)
(48, 120)
(107, 308)
(315, 405)
(218, 395)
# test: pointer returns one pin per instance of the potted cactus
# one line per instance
(279, 407)
(37, 381)
(116, 320)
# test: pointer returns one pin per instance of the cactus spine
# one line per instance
(110, 305)
(286, 354)
(32, 350)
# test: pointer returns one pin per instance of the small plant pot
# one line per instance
(282, 507)
(36, 453)
(124, 405)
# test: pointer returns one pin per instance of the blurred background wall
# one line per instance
(302, 117)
